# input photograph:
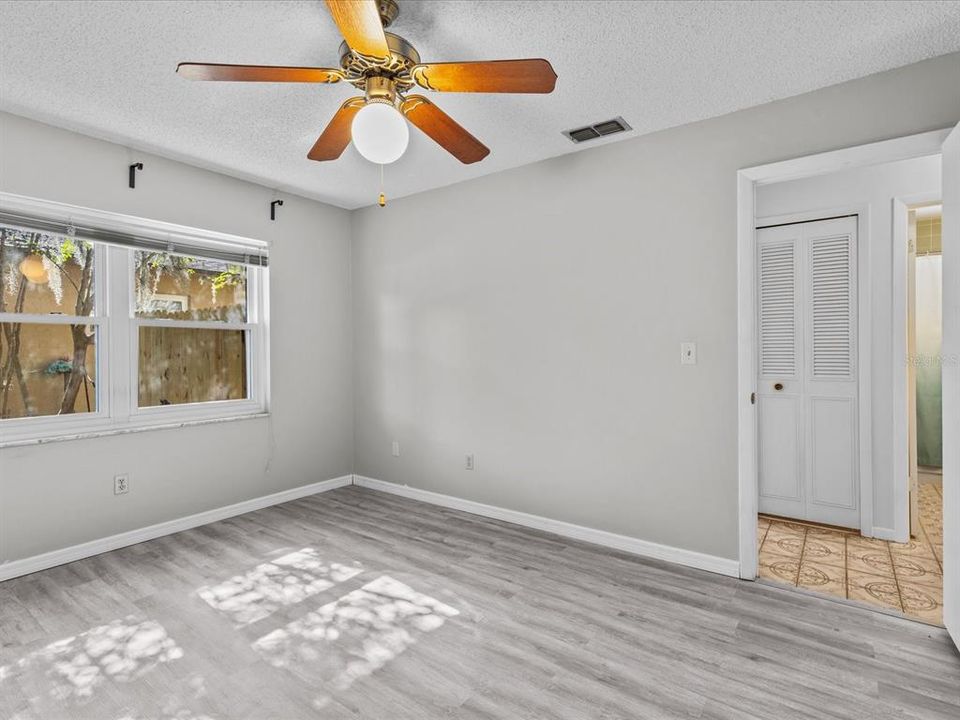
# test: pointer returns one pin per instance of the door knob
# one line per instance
(778, 386)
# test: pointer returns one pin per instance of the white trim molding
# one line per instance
(636, 546)
(16, 568)
(884, 151)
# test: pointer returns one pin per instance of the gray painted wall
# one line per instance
(531, 317)
(60, 494)
(534, 317)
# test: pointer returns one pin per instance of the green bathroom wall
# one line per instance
(929, 405)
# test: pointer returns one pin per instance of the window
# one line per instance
(129, 324)
(191, 316)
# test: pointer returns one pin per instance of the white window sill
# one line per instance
(130, 430)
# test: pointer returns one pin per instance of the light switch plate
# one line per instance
(688, 353)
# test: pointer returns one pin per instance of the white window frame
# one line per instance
(117, 357)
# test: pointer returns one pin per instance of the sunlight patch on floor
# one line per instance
(74, 667)
(272, 585)
(354, 635)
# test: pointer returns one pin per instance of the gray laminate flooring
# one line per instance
(357, 604)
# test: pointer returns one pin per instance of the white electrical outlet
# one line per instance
(121, 484)
(471, 462)
(396, 448)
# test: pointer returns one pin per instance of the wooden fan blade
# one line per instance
(258, 73)
(360, 24)
(443, 129)
(492, 76)
(336, 136)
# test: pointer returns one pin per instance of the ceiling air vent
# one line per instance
(607, 127)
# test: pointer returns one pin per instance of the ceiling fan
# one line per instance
(385, 66)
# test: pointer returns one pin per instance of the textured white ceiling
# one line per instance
(107, 69)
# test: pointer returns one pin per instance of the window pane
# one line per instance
(47, 369)
(44, 274)
(190, 365)
(185, 288)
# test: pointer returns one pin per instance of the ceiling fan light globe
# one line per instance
(380, 133)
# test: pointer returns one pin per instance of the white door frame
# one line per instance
(913, 146)
(901, 406)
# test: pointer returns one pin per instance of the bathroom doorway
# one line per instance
(924, 367)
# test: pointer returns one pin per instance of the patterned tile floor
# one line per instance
(907, 577)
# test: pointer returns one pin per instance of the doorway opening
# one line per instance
(824, 419)
(810, 531)
(924, 366)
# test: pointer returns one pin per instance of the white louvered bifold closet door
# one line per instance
(807, 379)
(780, 382)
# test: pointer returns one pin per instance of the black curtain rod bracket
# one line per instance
(273, 208)
(133, 173)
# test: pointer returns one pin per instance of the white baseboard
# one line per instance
(689, 558)
(16, 568)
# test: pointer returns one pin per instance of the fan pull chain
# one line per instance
(383, 198)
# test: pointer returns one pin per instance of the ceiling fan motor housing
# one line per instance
(381, 89)
(358, 68)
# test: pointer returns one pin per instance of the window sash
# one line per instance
(99, 298)
(42, 426)
(256, 400)
(117, 354)
(249, 310)
(236, 406)
(256, 395)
